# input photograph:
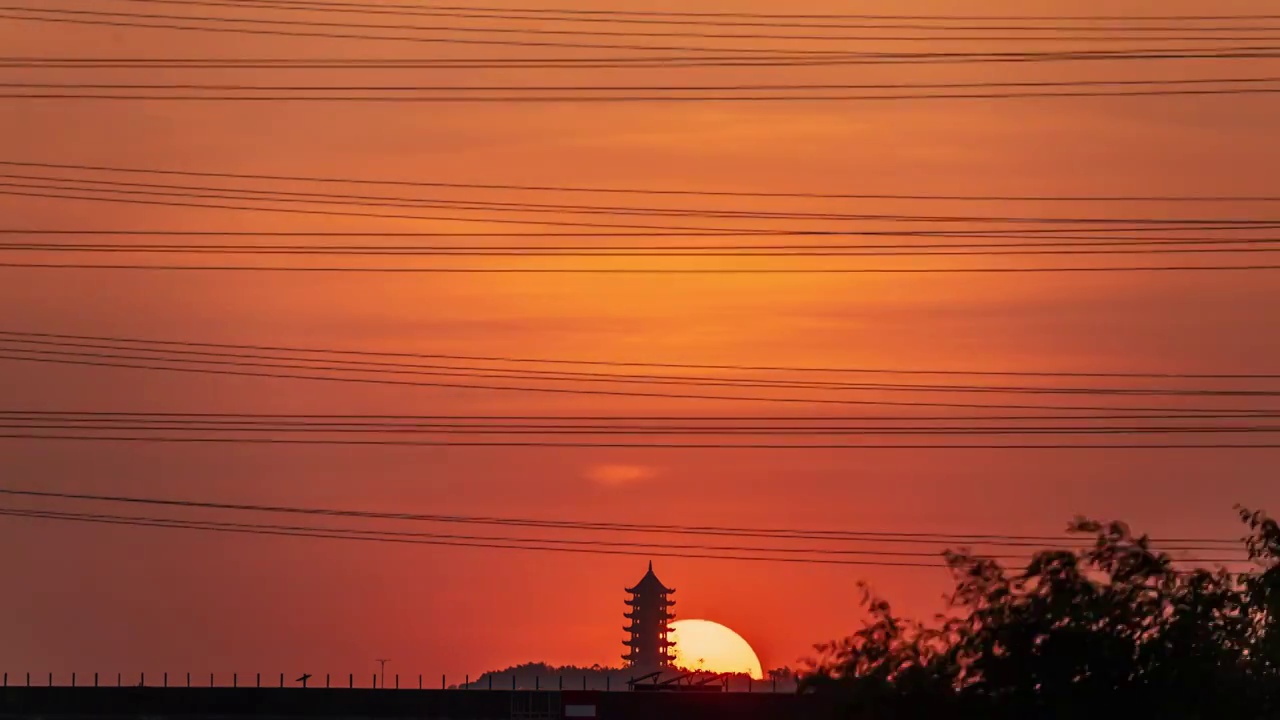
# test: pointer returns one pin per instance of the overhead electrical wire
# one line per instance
(631, 270)
(597, 525)
(296, 366)
(715, 19)
(168, 353)
(1248, 90)
(597, 252)
(220, 24)
(115, 361)
(651, 62)
(624, 363)
(818, 16)
(561, 544)
(329, 533)
(392, 420)
(638, 191)
(295, 196)
(1069, 224)
(788, 87)
(695, 32)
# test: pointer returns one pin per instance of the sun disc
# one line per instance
(710, 646)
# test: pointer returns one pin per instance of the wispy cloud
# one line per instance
(612, 475)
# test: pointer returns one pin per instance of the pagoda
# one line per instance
(650, 618)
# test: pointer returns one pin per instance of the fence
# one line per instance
(351, 681)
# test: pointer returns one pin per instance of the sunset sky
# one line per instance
(88, 598)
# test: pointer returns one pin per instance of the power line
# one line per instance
(628, 88)
(818, 16)
(321, 533)
(1044, 237)
(634, 271)
(366, 9)
(638, 420)
(325, 533)
(595, 525)
(659, 62)
(869, 249)
(639, 98)
(186, 439)
(393, 430)
(621, 363)
(553, 543)
(597, 252)
(711, 20)
(115, 360)
(525, 373)
(295, 197)
(222, 21)
(641, 191)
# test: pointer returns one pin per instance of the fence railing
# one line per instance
(376, 681)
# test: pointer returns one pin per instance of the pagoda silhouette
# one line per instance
(650, 616)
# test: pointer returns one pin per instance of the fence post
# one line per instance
(235, 680)
(166, 679)
(95, 680)
(351, 680)
(142, 679)
(513, 681)
(188, 679)
(749, 683)
(257, 680)
(442, 685)
(419, 681)
(117, 679)
(210, 679)
(281, 679)
(375, 680)
(50, 679)
(397, 681)
(775, 685)
(466, 683)
(491, 681)
(73, 679)
(28, 679)
(326, 681)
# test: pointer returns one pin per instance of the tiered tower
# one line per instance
(650, 618)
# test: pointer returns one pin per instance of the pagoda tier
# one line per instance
(647, 600)
(645, 615)
(662, 642)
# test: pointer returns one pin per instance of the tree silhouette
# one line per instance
(1113, 628)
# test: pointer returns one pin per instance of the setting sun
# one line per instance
(705, 645)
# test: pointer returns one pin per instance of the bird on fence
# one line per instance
(305, 677)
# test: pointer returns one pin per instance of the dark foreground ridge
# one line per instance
(156, 703)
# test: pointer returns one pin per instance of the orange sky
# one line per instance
(86, 598)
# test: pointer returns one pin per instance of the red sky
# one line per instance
(108, 599)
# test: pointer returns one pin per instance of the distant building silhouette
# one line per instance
(650, 617)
